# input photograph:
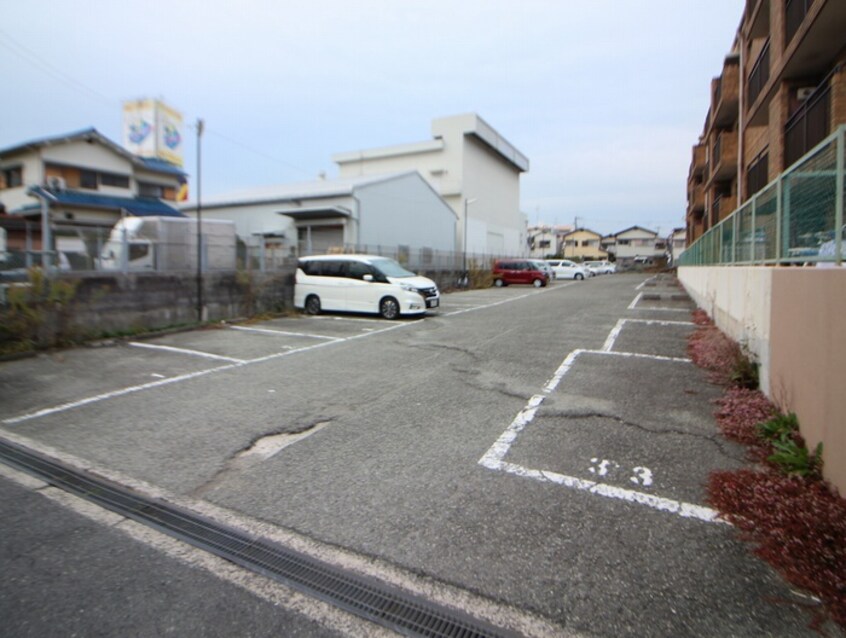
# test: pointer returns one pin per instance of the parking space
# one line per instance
(630, 421)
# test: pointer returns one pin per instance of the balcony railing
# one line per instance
(809, 125)
(760, 74)
(796, 219)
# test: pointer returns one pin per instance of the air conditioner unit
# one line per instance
(56, 183)
(805, 92)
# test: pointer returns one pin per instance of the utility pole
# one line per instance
(199, 223)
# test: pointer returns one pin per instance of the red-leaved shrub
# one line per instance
(797, 525)
(739, 411)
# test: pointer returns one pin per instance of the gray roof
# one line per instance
(317, 189)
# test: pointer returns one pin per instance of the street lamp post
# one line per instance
(464, 278)
(199, 224)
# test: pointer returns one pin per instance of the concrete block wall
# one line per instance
(791, 319)
(150, 301)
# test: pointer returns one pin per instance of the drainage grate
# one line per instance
(367, 598)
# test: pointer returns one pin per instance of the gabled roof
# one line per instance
(582, 230)
(93, 135)
(137, 206)
(278, 193)
(646, 230)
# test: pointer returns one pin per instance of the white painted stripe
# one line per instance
(195, 353)
(663, 309)
(680, 508)
(285, 333)
(659, 322)
(509, 300)
(114, 394)
(634, 302)
(637, 355)
(612, 336)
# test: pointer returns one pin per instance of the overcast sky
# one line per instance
(605, 97)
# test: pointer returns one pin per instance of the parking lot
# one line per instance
(543, 450)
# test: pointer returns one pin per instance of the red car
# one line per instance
(518, 271)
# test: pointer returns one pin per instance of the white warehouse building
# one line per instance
(362, 213)
(476, 171)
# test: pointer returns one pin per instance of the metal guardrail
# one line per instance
(795, 219)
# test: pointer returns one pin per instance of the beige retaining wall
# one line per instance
(794, 321)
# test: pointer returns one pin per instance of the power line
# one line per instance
(38, 62)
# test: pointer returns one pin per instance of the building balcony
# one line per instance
(757, 19)
(696, 197)
(722, 207)
(725, 94)
(759, 76)
(724, 156)
(699, 164)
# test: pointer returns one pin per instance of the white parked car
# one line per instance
(566, 269)
(601, 267)
(361, 283)
(545, 267)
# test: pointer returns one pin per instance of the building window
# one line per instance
(795, 12)
(112, 179)
(150, 190)
(88, 179)
(544, 243)
(12, 177)
(757, 173)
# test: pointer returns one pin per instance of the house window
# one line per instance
(88, 179)
(544, 243)
(150, 190)
(12, 177)
(112, 179)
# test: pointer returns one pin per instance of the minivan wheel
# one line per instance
(579, 276)
(537, 283)
(499, 283)
(312, 305)
(389, 308)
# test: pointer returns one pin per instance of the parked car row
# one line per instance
(373, 284)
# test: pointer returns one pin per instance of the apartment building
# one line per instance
(476, 171)
(781, 91)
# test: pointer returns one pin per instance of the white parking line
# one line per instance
(195, 353)
(504, 301)
(494, 457)
(284, 333)
(615, 331)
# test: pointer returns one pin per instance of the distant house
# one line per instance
(583, 244)
(476, 171)
(545, 240)
(636, 243)
(365, 214)
(676, 243)
(80, 184)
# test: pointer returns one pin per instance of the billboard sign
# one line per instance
(154, 130)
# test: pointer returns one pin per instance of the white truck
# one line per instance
(164, 244)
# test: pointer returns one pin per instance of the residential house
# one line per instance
(373, 213)
(73, 188)
(476, 171)
(636, 243)
(545, 240)
(583, 244)
(676, 243)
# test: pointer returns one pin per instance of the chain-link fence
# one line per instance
(796, 219)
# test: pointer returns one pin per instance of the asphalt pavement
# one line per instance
(535, 458)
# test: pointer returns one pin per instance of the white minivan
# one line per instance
(361, 283)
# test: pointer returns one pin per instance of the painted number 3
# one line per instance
(602, 467)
